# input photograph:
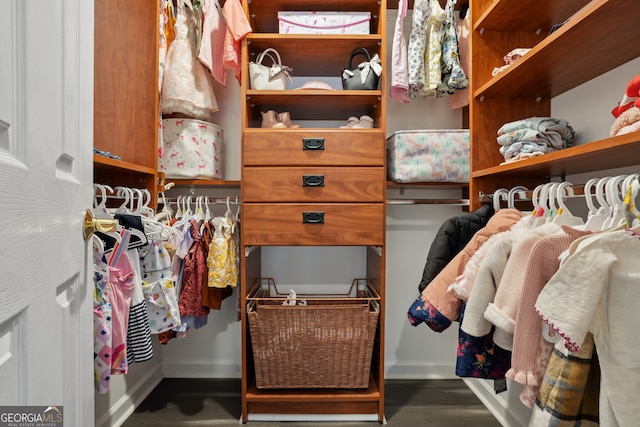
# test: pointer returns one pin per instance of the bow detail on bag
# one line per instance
(367, 66)
(277, 69)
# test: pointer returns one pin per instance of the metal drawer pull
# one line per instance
(313, 143)
(313, 217)
(315, 180)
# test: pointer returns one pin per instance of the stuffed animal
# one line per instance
(631, 97)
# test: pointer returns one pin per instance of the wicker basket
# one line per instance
(326, 343)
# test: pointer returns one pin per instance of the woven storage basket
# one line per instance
(327, 343)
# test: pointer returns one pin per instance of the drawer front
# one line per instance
(317, 148)
(312, 224)
(312, 184)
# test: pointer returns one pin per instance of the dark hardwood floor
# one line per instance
(214, 402)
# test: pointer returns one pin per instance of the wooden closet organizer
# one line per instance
(589, 44)
(274, 198)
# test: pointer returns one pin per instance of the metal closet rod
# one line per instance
(578, 191)
(455, 202)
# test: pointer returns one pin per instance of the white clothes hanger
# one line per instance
(552, 201)
(615, 198)
(564, 216)
(520, 190)
(498, 195)
(597, 218)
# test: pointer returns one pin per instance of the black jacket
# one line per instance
(451, 238)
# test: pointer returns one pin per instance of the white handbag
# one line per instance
(275, 77)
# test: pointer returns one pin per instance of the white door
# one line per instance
(46, 140)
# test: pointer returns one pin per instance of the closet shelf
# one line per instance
(555, 64)
(515, 15)
(218, 183)
(608, 153)
(328, 104)
(102, 163)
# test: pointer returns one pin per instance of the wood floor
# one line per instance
(214, 402)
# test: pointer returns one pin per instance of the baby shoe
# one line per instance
(366, 122)
(285, 119)
(351, 123)
(269, 120)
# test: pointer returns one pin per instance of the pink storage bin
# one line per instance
(191, 149)
(324, 22)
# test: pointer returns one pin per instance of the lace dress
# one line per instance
(187, 88)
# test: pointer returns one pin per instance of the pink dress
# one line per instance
(214, 29)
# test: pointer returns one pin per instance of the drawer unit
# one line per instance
(292, 224)
(337, 147)
(313, 184)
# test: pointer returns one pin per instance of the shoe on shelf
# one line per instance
(351, 122)
(285, 119)
(366, 122)
(269, 120)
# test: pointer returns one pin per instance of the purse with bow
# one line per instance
(274, 77)
(365, 75)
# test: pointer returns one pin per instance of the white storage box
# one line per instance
(191, 149)
(324, 22)
(428, 156)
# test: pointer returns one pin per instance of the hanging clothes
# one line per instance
(399, 90)
(416, 48)
(102, 343)
(436, 306)
(596, 290)
(139, 347)
(214, 29)
(187, 88)
(192, 313)
(159, 288)
(237, 29)
(121, 286)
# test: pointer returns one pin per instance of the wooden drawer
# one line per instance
(312, 184)
(314, 147)
(332, 224)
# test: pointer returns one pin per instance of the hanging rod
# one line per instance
(578, 191)
(211, 200)
(454, 202)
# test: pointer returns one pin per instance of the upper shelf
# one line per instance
(264, 13)
(560, 62)
(516, 15)
(608, 153)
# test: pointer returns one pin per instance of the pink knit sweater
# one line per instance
(542, 265)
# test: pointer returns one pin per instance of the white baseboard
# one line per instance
(118, 412)
(412, 371)
(506, 407)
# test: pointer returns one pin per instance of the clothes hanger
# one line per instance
(520, 190)
(596, 219)
(498, 195)
(615, 198)
(551, 201)
(564, 216)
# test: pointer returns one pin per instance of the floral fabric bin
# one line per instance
(324, 22)
(428, 156)
(191, 149)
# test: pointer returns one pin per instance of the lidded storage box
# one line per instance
(428, 156)
(313, 341)
(191, 149)
(324, 22)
